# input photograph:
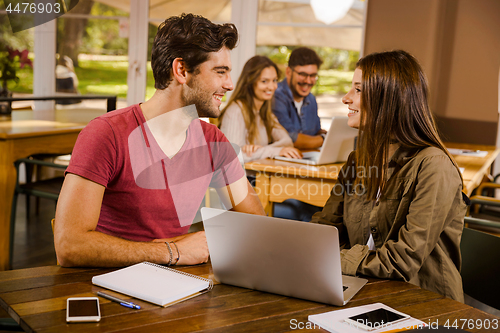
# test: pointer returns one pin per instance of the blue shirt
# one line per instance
(284, 109)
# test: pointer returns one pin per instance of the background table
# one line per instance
(36, 298)
(475, 168)
(277, 180)
(23, 136)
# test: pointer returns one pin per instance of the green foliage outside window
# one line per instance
(110, 77)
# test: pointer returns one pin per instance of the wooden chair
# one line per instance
(9, 325)
(52, 225)
(480, 269)
(488, 226)
(34, 169)
(47, 188)
(485, 196)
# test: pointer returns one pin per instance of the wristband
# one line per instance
(178, 254)
(170, 253)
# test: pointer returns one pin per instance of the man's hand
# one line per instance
(193, 248)
(322, 131)
(290, 152)
(305, 141)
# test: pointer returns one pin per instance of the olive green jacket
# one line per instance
(416, 223)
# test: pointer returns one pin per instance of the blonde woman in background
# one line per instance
(248, 121)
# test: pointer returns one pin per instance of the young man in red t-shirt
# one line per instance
(137, 175)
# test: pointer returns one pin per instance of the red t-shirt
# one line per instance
(149, 195)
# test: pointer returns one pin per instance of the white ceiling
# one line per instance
(280, 22)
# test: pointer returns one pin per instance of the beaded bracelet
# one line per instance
(170, 253)
(178, 254)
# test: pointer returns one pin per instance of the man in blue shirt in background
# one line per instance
(293, 103)
(297, 110)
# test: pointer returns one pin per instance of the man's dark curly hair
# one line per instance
(304, 56)
(190, 37)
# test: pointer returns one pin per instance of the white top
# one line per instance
(298, 106)
(371, 243)
(233, 127)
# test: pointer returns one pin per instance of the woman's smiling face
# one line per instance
(267, 83)
(353, 100)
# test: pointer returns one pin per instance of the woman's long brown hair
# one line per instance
(394, 109)
(244, 95)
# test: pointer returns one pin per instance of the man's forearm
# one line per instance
(96, 249)
(305, 141)
(251, 204)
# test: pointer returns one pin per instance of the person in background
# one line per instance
(248, 121)
(293, 103)
(66, 80)
(398, 203)
(297, 111)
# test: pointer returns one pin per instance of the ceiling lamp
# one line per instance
(329, 11)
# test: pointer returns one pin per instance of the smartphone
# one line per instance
(82, 309)
(376, 319)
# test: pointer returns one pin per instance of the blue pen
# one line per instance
(126, 304)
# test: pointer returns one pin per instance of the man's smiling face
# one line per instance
(208, 84)
(301, 79)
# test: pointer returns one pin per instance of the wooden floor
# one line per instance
(33, 239)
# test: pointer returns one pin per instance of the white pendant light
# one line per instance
(329, 11)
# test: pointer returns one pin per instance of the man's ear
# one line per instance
(288, 73)
(179, 70)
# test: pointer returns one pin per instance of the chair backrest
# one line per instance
(214, 121)
(52, 224)
(480, 268)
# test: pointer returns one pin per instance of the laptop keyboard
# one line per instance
(310, 154)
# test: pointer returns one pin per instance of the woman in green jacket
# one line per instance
(398, 202)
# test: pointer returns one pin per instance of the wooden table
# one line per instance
(278, 180)
(23, 136)
(36, 298)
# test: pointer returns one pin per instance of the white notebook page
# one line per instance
(152, 283)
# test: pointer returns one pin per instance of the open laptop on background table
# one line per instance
(339, 143)
(285, 257)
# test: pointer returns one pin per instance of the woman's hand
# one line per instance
(290, 152)
(250, 149)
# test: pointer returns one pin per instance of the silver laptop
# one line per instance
(285, 257)
(339, 143)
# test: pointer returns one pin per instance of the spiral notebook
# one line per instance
(154, 283)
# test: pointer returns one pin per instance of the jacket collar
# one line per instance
(402, 155)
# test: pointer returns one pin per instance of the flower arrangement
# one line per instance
(10, 61)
